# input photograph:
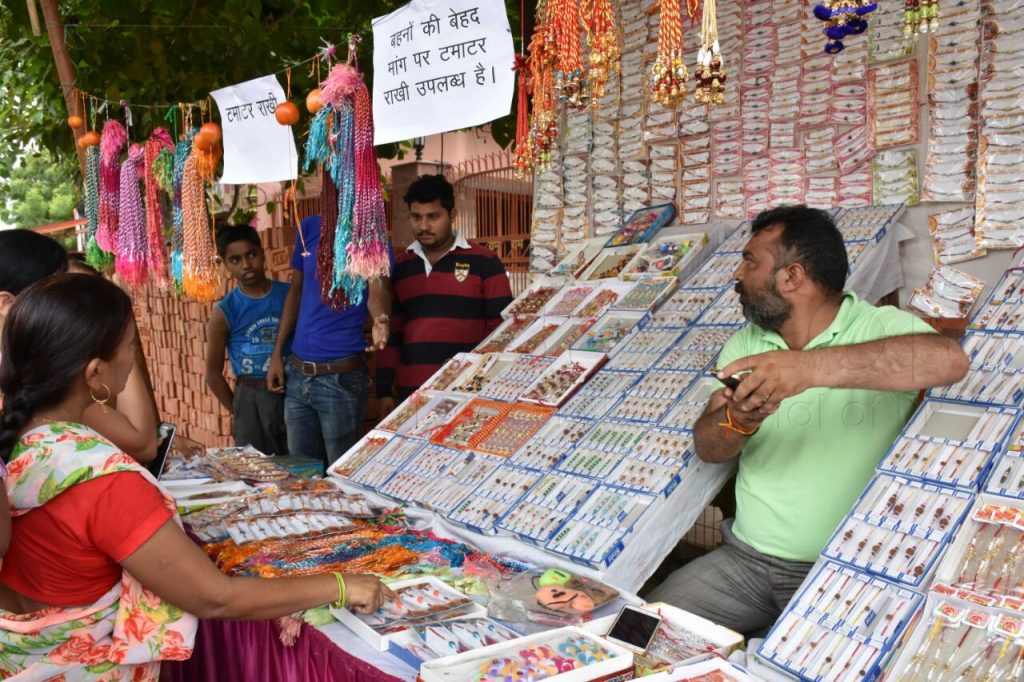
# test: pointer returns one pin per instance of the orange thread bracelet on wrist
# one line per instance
(730, 425)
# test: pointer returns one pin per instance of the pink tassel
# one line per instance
(291, 628)
(368, 249)
(155, 239)
(112, 141)
(132, 254)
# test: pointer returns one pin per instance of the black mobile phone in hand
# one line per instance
(732, 382)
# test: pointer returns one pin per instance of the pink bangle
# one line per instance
(3, 469)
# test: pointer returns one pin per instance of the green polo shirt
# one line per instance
(803, 470)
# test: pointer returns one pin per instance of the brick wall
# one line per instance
(172, 330)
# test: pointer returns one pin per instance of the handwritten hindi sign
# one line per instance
(256, 147)
(440, 65)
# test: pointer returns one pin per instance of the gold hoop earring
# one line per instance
(101, 401)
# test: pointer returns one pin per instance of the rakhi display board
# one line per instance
(800, 126)
(584, 457)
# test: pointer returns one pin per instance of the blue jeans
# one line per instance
(324, 414)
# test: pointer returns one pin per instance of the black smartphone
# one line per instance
(165, 437)
(634, 628)
(733, 381)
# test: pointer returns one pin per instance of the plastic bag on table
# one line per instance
(553, 597)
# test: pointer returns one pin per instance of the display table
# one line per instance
(229, 651)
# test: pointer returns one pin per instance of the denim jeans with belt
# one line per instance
(325, 413)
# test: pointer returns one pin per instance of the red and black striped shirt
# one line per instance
(435, 316)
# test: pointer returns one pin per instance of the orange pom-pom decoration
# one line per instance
(287, 114)
(313, 102)
(89, 139)
(203, 142)
(212, 131)
(75, 122)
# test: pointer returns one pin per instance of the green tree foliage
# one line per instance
(38, 191)
(166, 51)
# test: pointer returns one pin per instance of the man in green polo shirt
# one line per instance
(827, 382)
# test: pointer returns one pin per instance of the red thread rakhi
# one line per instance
(159, 141)
(113, 140)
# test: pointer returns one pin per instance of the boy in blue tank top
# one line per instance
(245, 324)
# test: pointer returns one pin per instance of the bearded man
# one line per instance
(826, 383)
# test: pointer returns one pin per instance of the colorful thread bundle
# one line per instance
(131, 249)
(94, 255)
(181, 154)
(354, 247)
(112, 141)
(158, 147)
(200, 279)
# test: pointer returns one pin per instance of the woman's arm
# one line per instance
(173, 567)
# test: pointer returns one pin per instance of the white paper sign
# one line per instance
(441, 65)
(256, 147)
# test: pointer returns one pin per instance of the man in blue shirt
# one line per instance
(245, 321)
(325, 378)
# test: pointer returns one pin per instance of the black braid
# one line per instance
(15, 414)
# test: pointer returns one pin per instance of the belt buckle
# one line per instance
(311, 372)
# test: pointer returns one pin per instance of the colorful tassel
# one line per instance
(200, 279)
(94, 255)
(158, 143)
(181, 153)
(112, 141)
(132, 252)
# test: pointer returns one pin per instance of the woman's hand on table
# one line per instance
(187, 447)
(366, 593)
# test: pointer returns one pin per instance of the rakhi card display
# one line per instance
(697, 349)
(489, 501)
(534, 298)
(597, 455)
(970, 641)
(469, 423)
(554, 386)
(608, 332)
(243, 464)
(537, 516)
(504, 335)
(506, 434)
(886, 37)
(1001, 148)
(948, 293)
(383, 463)
(682, 308)
(448, 638)
(953, 115)
(725, 311)
(647, 294)
(439, 478)
(648, 401)
(419, 602)
(578, 257)
(246, 527)
(515, 378)
(603, 298)
(433, 416)
(899, 528)
(536, 336)
(449, 373)
(665, 257)
(610, 262)
(483, 373)
(894, 178)
(1004, 309)
(839, 626)
(643, 348)
(596, 397)
(893, 102)
(953, 239)
(642, 225)
(717, 271)
(595, 532)
(569, 299)
(656, 463)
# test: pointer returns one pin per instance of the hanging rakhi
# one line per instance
(158, 145)
(132, 253)
(536, 151)
(843, 18)
(524, 146)
(920, 16)
(669, 74)
(360, 241)
(200, 279)
(570, 84)
(710, 74)
(112, 141)
(604, 59)
(182, 150)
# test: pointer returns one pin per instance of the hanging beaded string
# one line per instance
(542, 61)
(159, 143)
(200, 279)
(181, 154)
(343, 174)
(710, 74)
(604, 59)
(132, 250)
(920, 16)
(669, 74)
(94, 255)
(843, 18)
(112, 141)
(570, 84)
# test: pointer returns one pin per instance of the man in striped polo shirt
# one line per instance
(447, 294)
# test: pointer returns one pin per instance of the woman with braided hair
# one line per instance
(93, 583)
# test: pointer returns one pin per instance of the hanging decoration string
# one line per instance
(604, 60)
(158, 146)
(132, 252)
(536, 151)
(920, 16)
(112, 141)
(569, 79)
(710, 75)
(669, 74)
(199, 271)
(94, 255)
(843, 18)
(182, 151)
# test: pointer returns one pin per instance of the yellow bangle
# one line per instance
(342, 592)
